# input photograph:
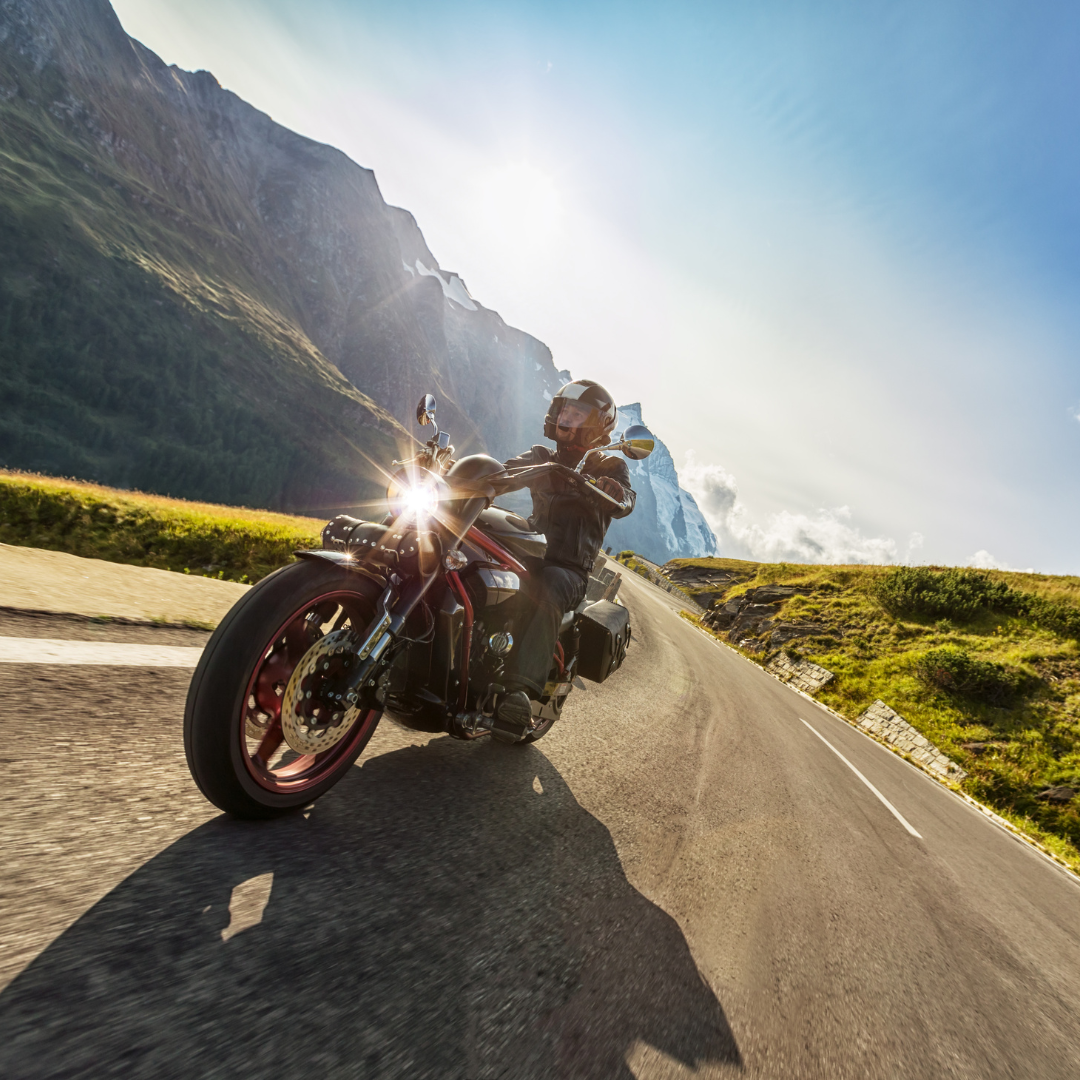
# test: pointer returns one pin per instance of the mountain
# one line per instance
(666, 522)
(196, 301)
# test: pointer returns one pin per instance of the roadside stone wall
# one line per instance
(659, 579)
(889, 725)
(801, 674)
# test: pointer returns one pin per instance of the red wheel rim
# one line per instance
(266, 756)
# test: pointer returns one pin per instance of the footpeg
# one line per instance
(471, 725)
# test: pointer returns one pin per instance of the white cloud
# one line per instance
(983, 560)
(824, 537)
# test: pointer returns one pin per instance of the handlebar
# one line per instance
(515, 479)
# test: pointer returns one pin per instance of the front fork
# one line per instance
(362, 685)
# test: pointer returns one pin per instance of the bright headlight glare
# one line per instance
(421, 499)
(414, 499)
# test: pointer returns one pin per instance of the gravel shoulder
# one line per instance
(53, 582)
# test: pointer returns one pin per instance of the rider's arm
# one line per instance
(535, 455)
(616, 469)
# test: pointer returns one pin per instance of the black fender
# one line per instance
(347, 562)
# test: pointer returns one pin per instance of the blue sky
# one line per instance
(832, 247)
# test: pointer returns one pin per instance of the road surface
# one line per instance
(687, 877)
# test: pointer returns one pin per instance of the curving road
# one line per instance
(685, 878)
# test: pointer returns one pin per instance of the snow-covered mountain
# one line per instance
(666, 523)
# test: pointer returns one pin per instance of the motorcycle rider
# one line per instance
(579, 420)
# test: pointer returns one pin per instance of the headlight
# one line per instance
(422, 499)
(416, 494)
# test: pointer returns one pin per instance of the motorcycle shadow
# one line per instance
(447, 911)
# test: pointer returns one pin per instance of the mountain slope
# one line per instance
(190, 294)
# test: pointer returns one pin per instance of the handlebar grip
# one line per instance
(622, 504)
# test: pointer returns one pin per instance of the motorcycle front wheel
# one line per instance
(232, 723)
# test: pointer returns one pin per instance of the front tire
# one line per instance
(232, 728)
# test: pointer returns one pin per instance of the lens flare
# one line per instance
(419, 500)
(415, 495)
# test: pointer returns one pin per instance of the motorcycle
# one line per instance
(412, 616)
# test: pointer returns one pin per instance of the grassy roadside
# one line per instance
(231, 543)
(630, 560)
(993, 681)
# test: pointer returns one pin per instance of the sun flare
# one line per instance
(523, 203)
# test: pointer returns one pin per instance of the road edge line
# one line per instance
(888, 805)
(105, 620)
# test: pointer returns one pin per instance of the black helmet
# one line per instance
(596, 429)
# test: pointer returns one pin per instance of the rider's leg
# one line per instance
(551, 592)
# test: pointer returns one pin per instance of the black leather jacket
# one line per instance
(573, 521)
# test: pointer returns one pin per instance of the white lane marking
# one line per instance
(892, 809)
(102, 653)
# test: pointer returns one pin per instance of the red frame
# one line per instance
(495, 550)
(454, 580)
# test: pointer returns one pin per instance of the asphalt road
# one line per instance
(681, 880)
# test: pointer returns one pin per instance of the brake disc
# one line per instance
(310, 724)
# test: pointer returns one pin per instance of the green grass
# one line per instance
(1003, 671)
(95, 522)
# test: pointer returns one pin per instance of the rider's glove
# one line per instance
(611, 487)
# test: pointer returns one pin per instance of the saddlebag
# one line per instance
(391, 546)
(605, 632)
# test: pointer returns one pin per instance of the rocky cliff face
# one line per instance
(194, 299)
(242, 226)
(666, 522)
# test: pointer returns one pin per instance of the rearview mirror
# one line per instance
(425, 411)
(637, 442)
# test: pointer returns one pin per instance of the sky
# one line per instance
(833, 248)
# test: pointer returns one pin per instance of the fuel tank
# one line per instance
(512, 531)
(460, 514)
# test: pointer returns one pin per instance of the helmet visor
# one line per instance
(575, 417)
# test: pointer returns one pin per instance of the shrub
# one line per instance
(960, 595)
(953, 594)
(1054, 615)
(956, 672)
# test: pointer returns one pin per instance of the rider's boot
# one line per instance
(512, 717)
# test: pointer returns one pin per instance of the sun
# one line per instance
(522, 203)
